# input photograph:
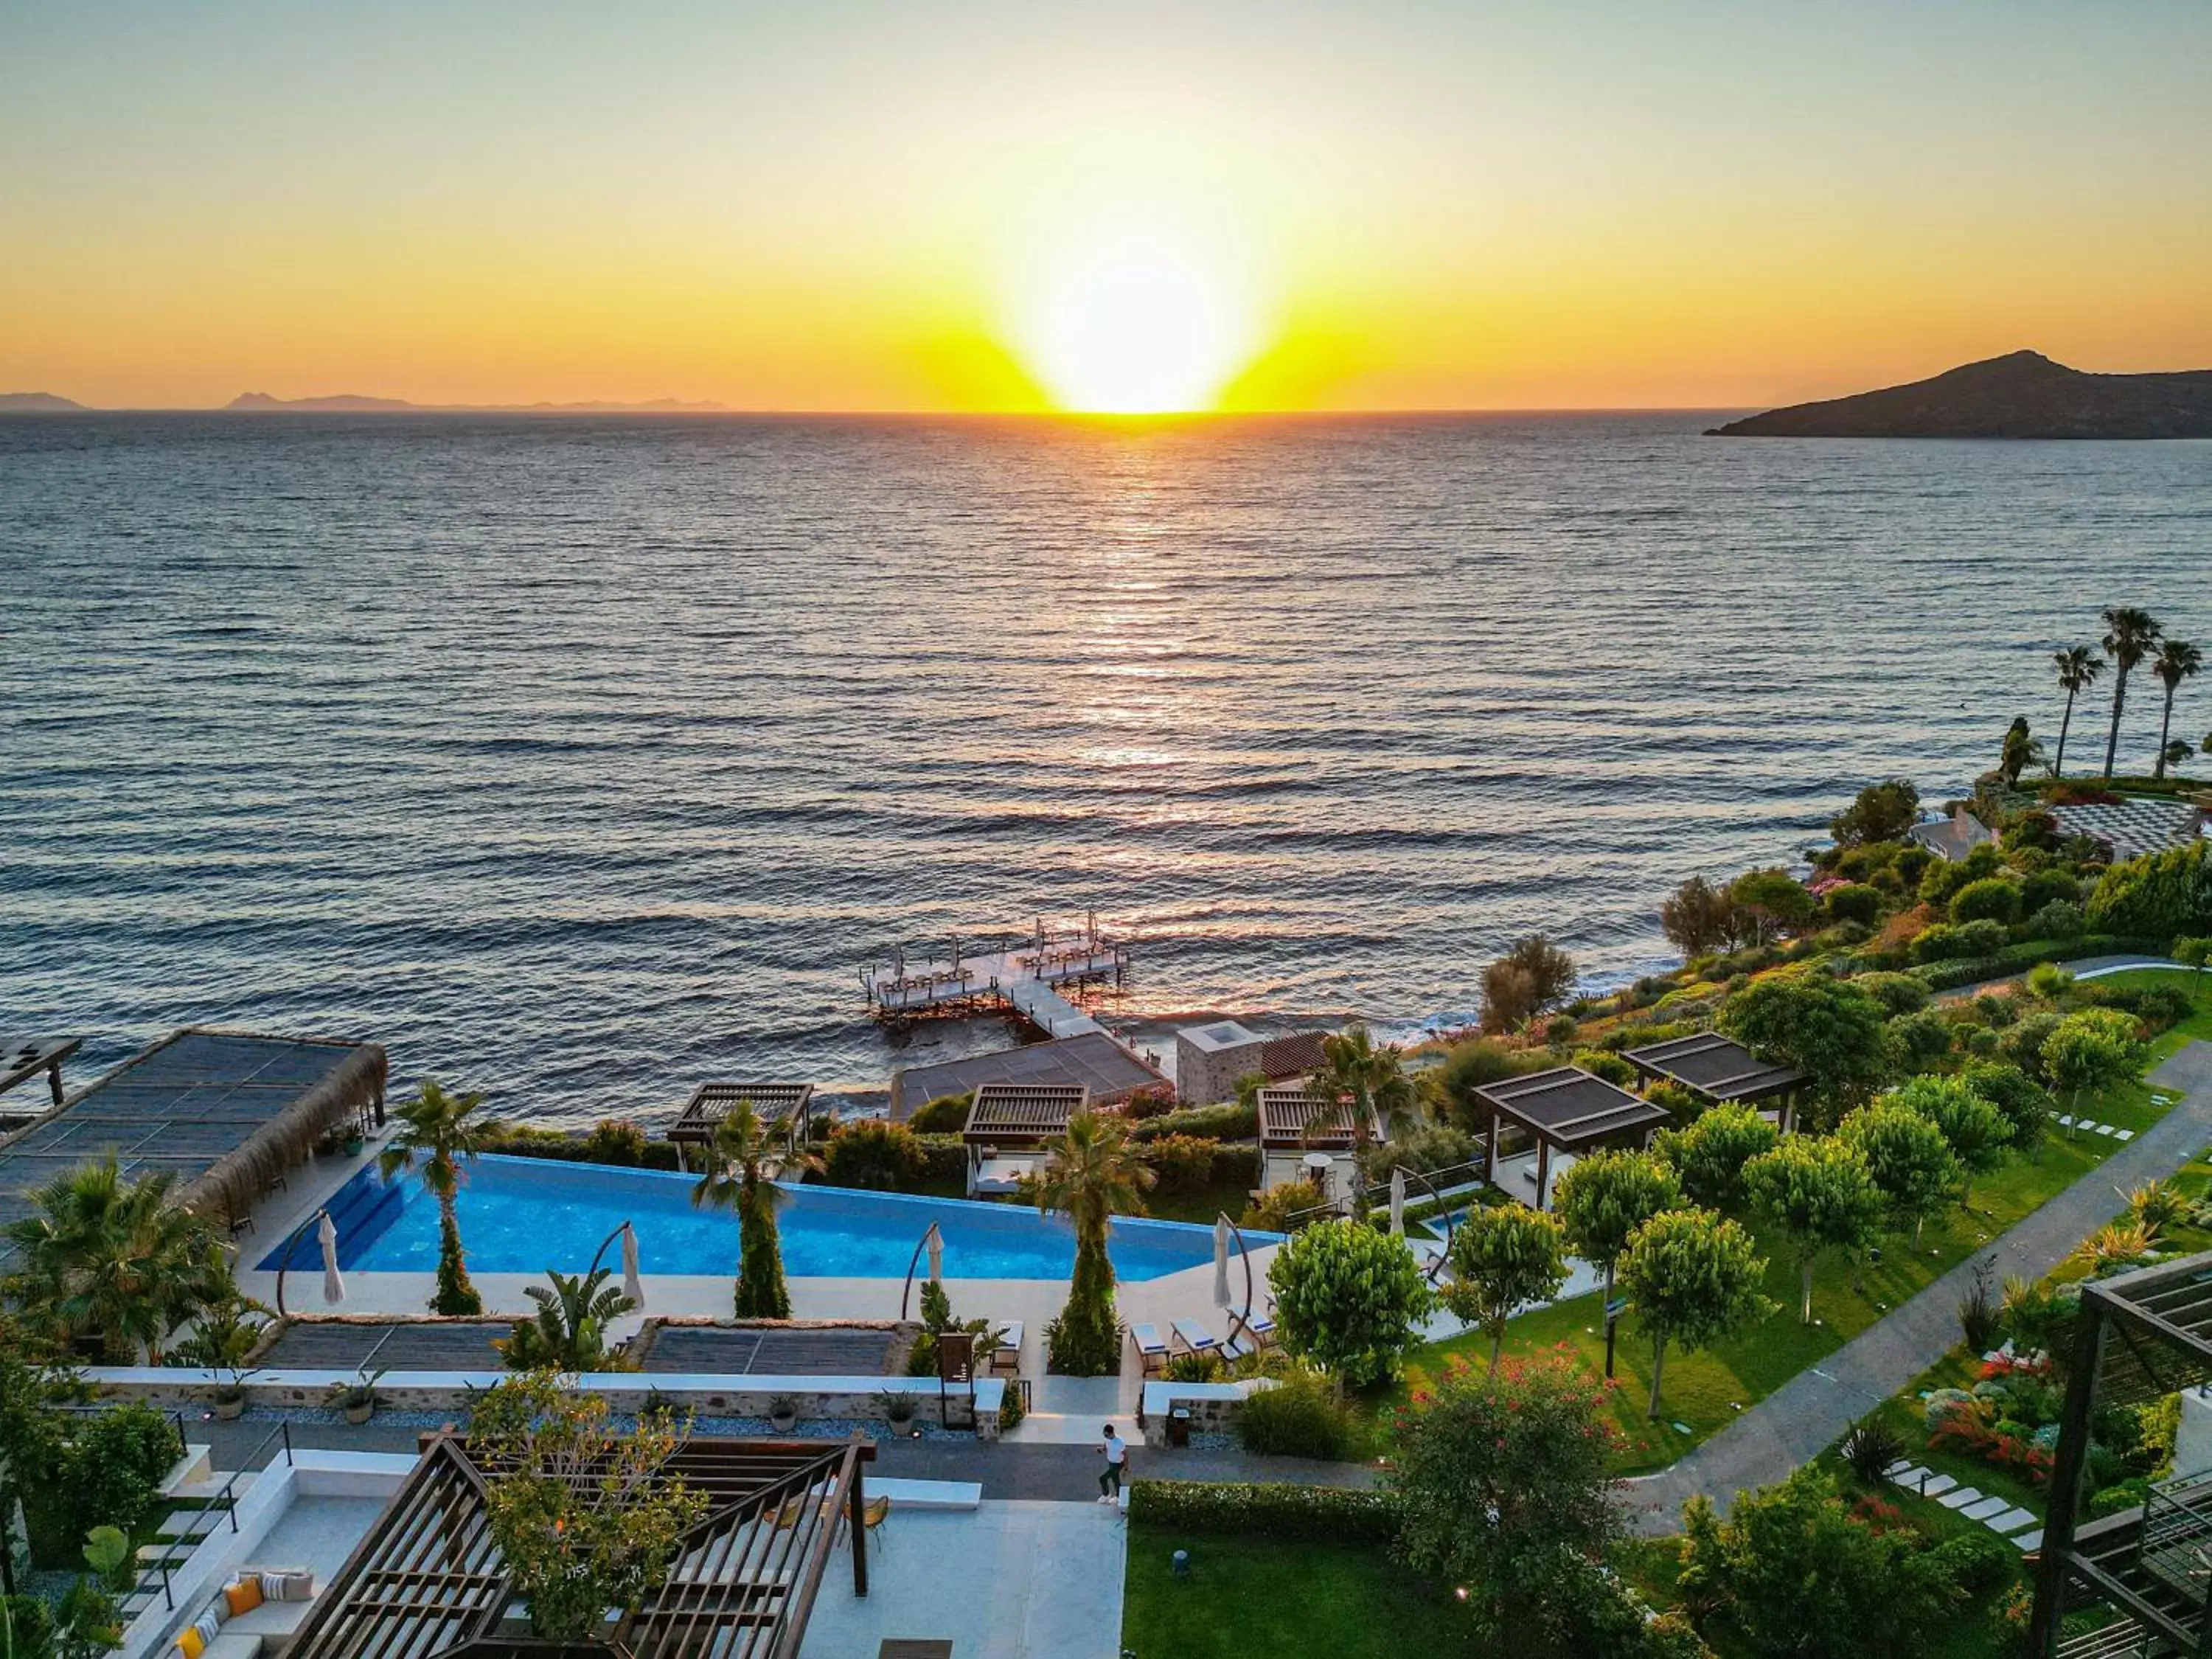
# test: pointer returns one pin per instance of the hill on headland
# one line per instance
(349, 403)
(35, 402)
(2022, 395)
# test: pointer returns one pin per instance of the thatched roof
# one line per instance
(225, 1112)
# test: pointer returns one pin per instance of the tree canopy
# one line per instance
(1605, 1196)
(1881, 811)
(1693, 1278)
(1709, 1154)
(1505, 1257)
(1828, 1028)
(1912, 1164)
(1350, 1299)
(1817, 1190)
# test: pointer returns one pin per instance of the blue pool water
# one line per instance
(523, 1215)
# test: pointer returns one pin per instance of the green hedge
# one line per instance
(2019, 958)
(613, 1142)
(1336, 1515)
(1229, 1121)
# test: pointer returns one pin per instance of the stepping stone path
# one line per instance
(1987, 1509)
(1960, 1499)
(2010, 1520)
(1898, 1470)
(2066, 1120)
(2127, 1134)
(2030, 1540)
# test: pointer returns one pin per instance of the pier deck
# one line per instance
(1026, 978)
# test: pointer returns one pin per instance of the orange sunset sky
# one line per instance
(1004, 205)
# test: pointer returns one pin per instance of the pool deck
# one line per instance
(1187, 1295)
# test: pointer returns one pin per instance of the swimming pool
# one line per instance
(521, 1215)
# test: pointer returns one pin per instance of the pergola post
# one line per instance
(857, 1509)
(1490, 1154)
(1543, 1173)
(2066, 1488)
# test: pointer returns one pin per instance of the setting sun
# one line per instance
(1135, 321)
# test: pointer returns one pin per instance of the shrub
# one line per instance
(1854, 903)
(2159, 895)
(1881, 812)
(1869, 1448)
(947, 1114)
(30, 1627)
(1284, 1512)
(1184, 1163)
(612, 1141)
(1299, 1416)
(1195, 1368)
(1980, 1317)
(1612, 1067)
(1993, 898)
(876, 1155)
(1921, 1039)
(616, 1141)
(1898, 993)
(2023, 1044)
(106, 1473)
(1532, 975)
(1155, 1102)
(1426, 1149)
(1282, 1209)
(2060, 918)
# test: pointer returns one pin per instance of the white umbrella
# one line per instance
(936, 1246)
(1398, 1202)
(333, 1285)
(1221, 1261)
(633, 1288)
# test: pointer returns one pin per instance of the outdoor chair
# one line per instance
(1151, 1351)
(1195, 1336)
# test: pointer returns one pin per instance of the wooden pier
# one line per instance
(1025, 977)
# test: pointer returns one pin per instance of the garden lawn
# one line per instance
(1248, 1596)
(1705, 1390)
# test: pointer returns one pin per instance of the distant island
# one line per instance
(2022, 395)
(260, 402)
(35, 402)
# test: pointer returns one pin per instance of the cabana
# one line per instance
(429, 1580)
(1722, 1070)
(1009, 1126)
(1301, 1136)
(227, 1113)
(1564, 1110)
(772, 1102)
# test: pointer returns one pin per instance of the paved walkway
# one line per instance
(1797, 1421)
(2081, 968)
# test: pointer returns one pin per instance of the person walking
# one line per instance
(1117, 1460)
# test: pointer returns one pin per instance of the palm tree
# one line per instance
(1359, 1084)
(568, 1332)
(2078, 667)
(2178, 661)
(438, 1133)
(110, 1263)
(2129, 635)
(742, 1160)
(1091, 1173)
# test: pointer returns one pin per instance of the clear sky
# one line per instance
(1009, 204)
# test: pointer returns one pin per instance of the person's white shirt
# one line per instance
(1117, 1449)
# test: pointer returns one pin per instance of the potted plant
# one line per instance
(230, 1395)
(783, 1413)
(354, 1141)
(898, 1408)
(357, 1398)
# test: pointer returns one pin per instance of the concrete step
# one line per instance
(1067, 1429)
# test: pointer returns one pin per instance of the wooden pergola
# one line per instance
(1722, 1069)
(1011, 1119)
(427, 1582)
(772, 1102)
(24, 1057)
(1292, 1120)
(1564, 1110)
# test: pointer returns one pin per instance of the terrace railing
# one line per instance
(176, 1548)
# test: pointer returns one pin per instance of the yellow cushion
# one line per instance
(243, 1597)
(191, 1644)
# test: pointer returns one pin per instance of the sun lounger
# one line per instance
(1150, 1348)
(1195, 1336)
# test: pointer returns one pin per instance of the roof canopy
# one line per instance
(1569, 1108)
(222, 1111)
(1720, 1068)
(427, 1581)
(23, 1057)
(1289, 1116)
(1021, 1113)
(771, 1101)
(1109, 1072)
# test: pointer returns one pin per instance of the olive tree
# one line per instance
(1605, 1197)
(1349, 1300)
(1504, 1258)
(1693, 1278)
(1818, 1190)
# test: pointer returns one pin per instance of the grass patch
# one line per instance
(1705, 1390)
(1244, 1596)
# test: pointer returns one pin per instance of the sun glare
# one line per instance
(1136, 322)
